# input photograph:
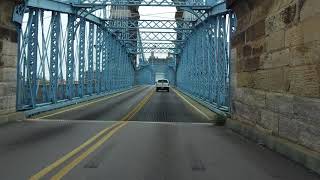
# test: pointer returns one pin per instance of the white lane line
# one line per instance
(205, 115)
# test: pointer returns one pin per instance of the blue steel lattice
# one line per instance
(73, 60)
(207, 51)
(94, 54)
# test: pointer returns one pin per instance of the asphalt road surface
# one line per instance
(137, 135)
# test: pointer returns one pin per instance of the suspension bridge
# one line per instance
(77, 84)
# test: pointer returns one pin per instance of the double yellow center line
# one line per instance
(93, 144)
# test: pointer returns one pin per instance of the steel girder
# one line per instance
(85, 8)
(54, 55)
(153, 36)
(149, 45)
(144, 50)
(195, 4)
(149, 24)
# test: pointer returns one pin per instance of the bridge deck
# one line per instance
(165, 139)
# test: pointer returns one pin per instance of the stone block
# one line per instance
(294, 36)
(256, 31)
(310, 8)
(8, 61)
(7, 104)
(289, 13)
(8, 48)
(280, 103)
(238, 39)
(311, 29)
(260, 11)
(269, 120)
(275, 41)
(305, 54)
(276, 59)
(257, 51)
(8, 74)
(305, 80)
(246, 112)
(243, 22)
(244, 79)
(307, 110)
(310, 137)
(247, 50)
(7, 89)
(289, 128)
(251, 97)
(250, 64)
(280, 5)
(274, 24)
(271, 80)
(280, 58)
(6, 9)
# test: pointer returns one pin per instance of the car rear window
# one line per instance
(162, 81)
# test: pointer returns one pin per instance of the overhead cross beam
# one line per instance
(195, 4)
(140, 51)
(149, 24)
(153, 36)
(149, 45)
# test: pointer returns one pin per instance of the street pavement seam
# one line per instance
(92, 144)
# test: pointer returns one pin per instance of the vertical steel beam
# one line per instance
(54, 56)
(90, 60)
(82, 41)
(70, 56)
(98, 61)
(31, 89)
(105, 52)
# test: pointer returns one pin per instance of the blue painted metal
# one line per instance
(210, 77)
(82, 49)
(98, 60)
(95, 54)
(74, 60)
(90, 77)
(70, 57)
(30, 83)
(54, 55)
(105, 59)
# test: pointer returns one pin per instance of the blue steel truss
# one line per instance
(92, 53)
(207, 51)
(64, 61)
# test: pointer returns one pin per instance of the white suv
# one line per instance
(162, 84)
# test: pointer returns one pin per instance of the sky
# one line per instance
(157, 13)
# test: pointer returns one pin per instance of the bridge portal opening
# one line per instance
(106, 46)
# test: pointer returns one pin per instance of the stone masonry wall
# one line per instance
(8, 59)
(276, 68)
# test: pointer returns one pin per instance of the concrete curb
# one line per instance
(12, 117)
(297, 153)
